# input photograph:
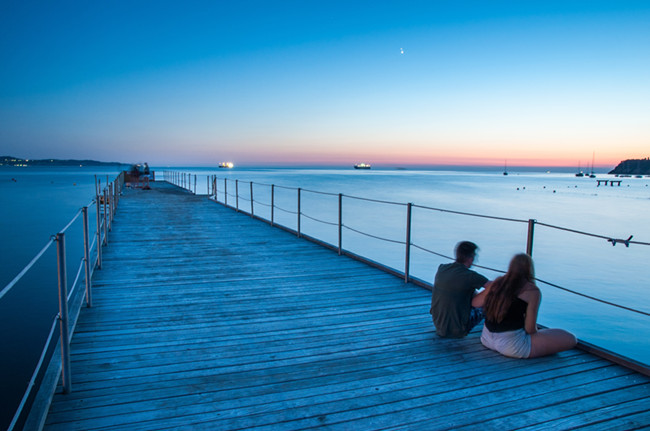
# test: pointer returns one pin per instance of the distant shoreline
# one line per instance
(18, 162)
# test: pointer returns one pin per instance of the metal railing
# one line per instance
(105, 202)
(215, 191)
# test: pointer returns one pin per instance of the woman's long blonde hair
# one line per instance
(506, 288)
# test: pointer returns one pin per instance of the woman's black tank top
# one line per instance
(514, 319)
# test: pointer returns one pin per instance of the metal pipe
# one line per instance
(237, 194)
(109, 202)
(340, 223)
(272, 204)
(531, 234)
(407, 260)
(89, 295)
(298, 227)
(252, 206)
(194, 183)
(99, 225)
(105, 219)
(63, 313)
(225, 191)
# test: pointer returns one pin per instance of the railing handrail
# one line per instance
(409, 243)
(27, 267)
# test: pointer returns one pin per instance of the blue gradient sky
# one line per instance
(266, 83)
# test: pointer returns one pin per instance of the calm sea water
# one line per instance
(41, 201)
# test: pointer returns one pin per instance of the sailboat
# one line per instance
(592, 175)
(505, 168)
(579, 173)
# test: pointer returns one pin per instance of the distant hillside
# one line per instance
(632, 167)
(17, 161)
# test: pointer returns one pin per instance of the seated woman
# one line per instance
(511, 303)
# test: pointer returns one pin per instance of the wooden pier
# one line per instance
(205, 318)
(611, 182)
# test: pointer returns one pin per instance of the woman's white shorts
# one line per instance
(515, 344)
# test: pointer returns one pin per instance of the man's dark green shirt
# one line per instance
(451, 301)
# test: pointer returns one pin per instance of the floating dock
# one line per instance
(206, 318)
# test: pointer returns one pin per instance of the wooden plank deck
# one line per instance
(205, 318)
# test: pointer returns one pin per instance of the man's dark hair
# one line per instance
(465, 250)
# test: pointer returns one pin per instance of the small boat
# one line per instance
(580, 173)
(505, 168)
(362, 166)
(228, 165)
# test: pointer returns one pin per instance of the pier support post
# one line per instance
(531, 234)
(237, 194)
(63, 313)
(89, 295)
(340, 223)
(298, 225)
(407, 260)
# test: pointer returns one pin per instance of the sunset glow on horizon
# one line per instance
(395, 84)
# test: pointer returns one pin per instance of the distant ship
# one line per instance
(362, 166)
(228, 165)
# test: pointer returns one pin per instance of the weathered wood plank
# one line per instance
(206, 318)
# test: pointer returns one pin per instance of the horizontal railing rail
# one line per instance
(105, 202)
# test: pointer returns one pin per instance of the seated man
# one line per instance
(453, 289)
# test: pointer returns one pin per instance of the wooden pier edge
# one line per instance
(621, 360)
(585, 346)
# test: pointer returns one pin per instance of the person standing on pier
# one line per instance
(454, 287)
(511, 304)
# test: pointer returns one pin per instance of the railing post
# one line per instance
(252, 207)
(109, 202)
(298, 226)
(105, 219)
(63, 313)
(340, 223)
(237, 194)
(214, 186)
(407, 260)
(207, 185)
(272, 204)
(117, 191)
(225, 191)
(531, 234)
(99, 232)
(89, 295)
(194, 183)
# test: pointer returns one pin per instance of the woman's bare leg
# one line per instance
(548, 341)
